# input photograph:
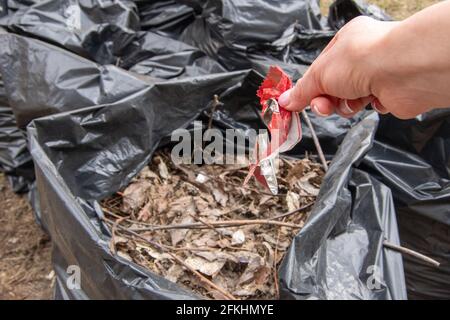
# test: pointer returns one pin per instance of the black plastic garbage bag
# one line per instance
(91, 28)
(42, 79)
(339, 253)
(342, 11)
(3, 8)
(224, 29)
(10, 6)
(105, 32)
(166, 17)
(412, 158)
(70, 186)
(294, 51)
(161, 57)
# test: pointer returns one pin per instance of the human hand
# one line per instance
(368, 61)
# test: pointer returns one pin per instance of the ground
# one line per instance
(25, 269)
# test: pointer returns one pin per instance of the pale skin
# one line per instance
(402, 68)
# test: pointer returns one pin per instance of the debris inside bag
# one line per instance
(200, 227)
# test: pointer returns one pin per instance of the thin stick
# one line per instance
(204, 222)
(411, 253)
(219, 224)
(215, 104)
(273, 218)
(207, 224)
(192, 249)
(292, 212)
(275, 269)
(181, 262)
(112, 243)
(316, 141)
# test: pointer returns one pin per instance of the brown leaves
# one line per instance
(135, 195)
(242, 260)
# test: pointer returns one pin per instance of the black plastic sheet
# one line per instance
(412, 158)
(91, 28)
(93, 126)
(161, 57)
(166, 17)
(339, 253)
(225, 29)
(42, 79)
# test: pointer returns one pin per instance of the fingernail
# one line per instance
(317, 111)
(344, 107)
(374, 106)
(285, 98)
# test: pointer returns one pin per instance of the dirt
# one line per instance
(25, 268)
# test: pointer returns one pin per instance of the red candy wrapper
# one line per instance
(284, 126)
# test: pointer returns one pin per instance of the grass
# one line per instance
(398, 9)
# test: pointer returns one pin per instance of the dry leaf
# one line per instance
(174, 272)
(134, 196)
(204, 266)
(292, 201)
(177, 235)
(308, 188)
(124, 255)
(220, 197)
(163, 171)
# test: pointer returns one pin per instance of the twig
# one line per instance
(275, 269)
(316, 141)
(191, 177)
(195, 249)
(181, 262)
(215, 104)
(411, 253)
(219, 224)
(231, 210)
(292, 212)
(112, 243)
(204, 222)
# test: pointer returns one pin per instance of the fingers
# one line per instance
(323, 106)
(300, 96)
(308, 87)
(348, 108)
(377, 106)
